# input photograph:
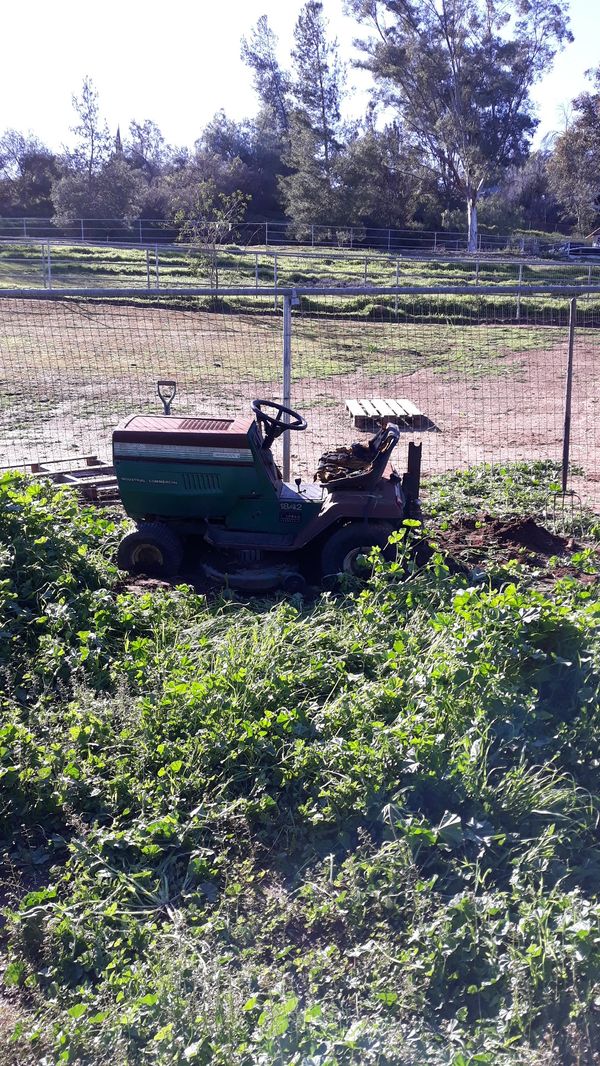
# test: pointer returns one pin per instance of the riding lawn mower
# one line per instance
(206, 494)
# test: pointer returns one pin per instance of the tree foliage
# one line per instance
(454, 77)
(259, 52)
(28, 171)
(311, 190)
(575, 164)
(209, 223)
(458, 73)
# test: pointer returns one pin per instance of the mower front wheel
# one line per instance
(344, 551)
(153, 549)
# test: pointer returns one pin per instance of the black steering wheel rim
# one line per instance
(274, 424)
(299, 422)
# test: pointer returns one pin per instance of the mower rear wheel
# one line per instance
(345, 549)
(153, 549)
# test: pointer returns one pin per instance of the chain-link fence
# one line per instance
(485, 367)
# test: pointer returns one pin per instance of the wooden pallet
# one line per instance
(95, 479)
(367, 414)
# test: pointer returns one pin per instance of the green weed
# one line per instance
(362, 829)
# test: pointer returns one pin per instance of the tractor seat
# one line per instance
(368, 479)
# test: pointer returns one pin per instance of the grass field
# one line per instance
(361, 828)
(97, 266)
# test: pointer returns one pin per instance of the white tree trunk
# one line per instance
(472, 220)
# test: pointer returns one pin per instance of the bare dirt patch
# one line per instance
(70, 371)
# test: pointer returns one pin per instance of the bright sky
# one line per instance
(178, 63)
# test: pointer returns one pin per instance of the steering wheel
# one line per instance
(275, 425)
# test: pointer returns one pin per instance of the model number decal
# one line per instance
(290, 512)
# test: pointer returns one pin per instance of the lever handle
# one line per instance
(167, 391)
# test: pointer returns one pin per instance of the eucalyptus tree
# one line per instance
(459, 75)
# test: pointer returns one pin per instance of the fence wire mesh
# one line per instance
(487, 371)
(52, 265)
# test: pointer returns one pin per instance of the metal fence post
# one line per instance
(287, 377)
(156, 265)
(147, 268)
(82, 230)
(276, 302)
(49, 267)
(256, 270)
(24, 227)
(397, 284)
(568, 394)
(518, 314)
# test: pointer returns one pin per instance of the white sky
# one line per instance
(179, 63)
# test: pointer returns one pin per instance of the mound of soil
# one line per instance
(486, 532)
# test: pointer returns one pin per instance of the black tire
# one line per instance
(342, 549)
(153, 549)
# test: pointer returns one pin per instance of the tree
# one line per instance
(311, 191)
(28, 171)
(383, 182)
(459, 73)
(146, 149)
(152, 160)
(95, 144)
(574, 166)
(270, 81)
(210, 223)
(115, 194)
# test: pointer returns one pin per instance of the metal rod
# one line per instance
(568, 394)
(287, 377)
(49, 267)
(306, 290)
(518, 315)
(156, 265)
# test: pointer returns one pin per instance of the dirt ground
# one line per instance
(490, 393)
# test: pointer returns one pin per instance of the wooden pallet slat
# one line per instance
(397, 409)
(384, 407)
(410, 407)
(355, 409)
(369, 407)
(368, 413)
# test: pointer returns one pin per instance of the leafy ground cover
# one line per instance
(357, 829)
